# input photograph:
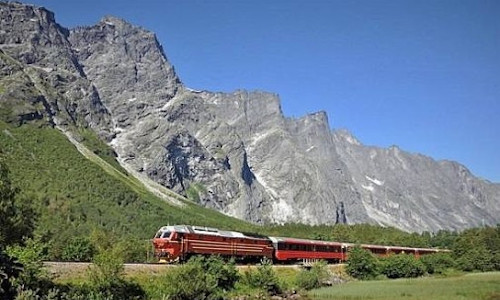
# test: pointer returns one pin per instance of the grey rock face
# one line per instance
(415, 192)
(234, 152)
(41, 77)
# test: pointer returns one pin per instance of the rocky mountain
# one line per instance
(234, 152)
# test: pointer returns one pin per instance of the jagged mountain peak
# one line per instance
(234, 152)
(345, 135)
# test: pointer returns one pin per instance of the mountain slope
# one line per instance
(235, 152)
(74, 194)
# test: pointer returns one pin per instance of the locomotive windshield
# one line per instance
(163, 234)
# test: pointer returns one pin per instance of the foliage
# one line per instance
(313, 278)
(263, 277)
(91, 141)
(78, 249)
(442, 239)
(107, 268)
(16, 215)
(199, 278)
(194, 190)
(107, 277)
(362, 264)
(225, 273)
(478, 249)
(402, 266)
(31, 255)
(437, 263)
(10, 269)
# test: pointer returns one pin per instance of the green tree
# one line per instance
(313, 278)
(17, 218)
(263, 278)
(362, 264)
(78, 249)
(31, 256)
(10, 269)
(478, 249)
(402, 266)
(16, 223)
(437, 263)
(200, 278)
(107, 277)
(342, 233)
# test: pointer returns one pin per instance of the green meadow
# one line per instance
(473, 286)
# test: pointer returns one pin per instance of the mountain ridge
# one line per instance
(236, 151)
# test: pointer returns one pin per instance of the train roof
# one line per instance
(303, 241)
(210, 231)
(236, 234)
(403, 248)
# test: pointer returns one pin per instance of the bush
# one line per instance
(30, 256)
(476, 259)
(225, 273)
(10, 269)
(437, 263)
(134, 250)
(190, 281)
(106, 278)
(263, 278)
(402, 266)
(313, 278)
(107, 268)
(199, 278)
(78, 249)
(362, 264)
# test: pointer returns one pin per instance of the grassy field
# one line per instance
(476, 286)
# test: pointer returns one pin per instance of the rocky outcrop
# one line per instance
(234, 152)
(41, 77)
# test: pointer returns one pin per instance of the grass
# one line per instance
(474, 286)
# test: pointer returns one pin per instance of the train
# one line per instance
(177, 243)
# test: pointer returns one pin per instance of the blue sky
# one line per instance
(423, 75)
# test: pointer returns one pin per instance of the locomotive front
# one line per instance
(166, 243)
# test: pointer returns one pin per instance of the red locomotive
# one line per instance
(179, 242)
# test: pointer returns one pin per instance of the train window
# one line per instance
(165, 234)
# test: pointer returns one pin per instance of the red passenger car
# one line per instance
(290, 249)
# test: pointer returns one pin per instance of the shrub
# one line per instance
(107, 268)
(190, 281)
(199, 278)
(263, 278)
(313, 278)
(106, 278)
(437, 263)
(133, 249)
(78, 249)
(225, 273)
(402, 265)
(476, 259)
(9, 270)
(30, 256)
(362, 264)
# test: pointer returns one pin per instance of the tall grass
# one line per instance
(475, 286)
